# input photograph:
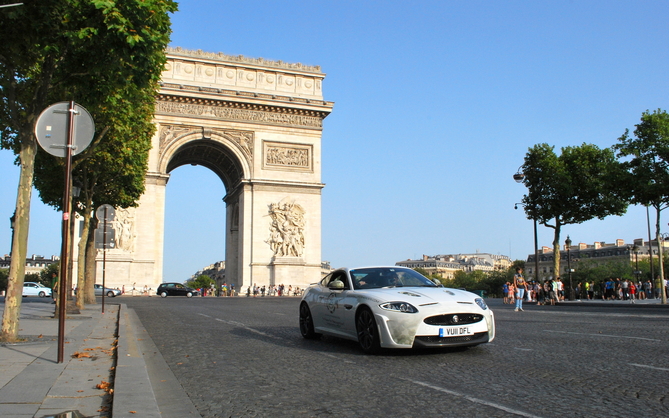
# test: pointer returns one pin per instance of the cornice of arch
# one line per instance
(240, 106)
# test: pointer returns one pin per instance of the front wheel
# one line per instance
(110, 294)
(42, 294)
(368, 332)
(307, 323)
(163, 294)
(189, 294)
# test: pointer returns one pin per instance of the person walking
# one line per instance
(521, 287)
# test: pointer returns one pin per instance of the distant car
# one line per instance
(175, 289)
(393, 307)
(35, 289)
(110, 293)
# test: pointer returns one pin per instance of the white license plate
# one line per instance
(454, 331)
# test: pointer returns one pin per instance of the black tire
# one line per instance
(368, 331)
(42, 294)
(163, 294)
(189, 294)
(110, 294)
(307, 323)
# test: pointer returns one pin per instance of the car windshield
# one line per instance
(378, 277)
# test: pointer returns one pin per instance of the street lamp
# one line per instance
(567, 243)
(519, 177)
(635, 250)
(12, 224)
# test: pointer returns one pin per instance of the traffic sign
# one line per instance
(51, 129)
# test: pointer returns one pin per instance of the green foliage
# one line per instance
(202, 281)
(491, 282)
(4, 274)
(580, 184)
(431, 276)
(648, 162)
(47, 277)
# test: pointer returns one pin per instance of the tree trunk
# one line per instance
(660, 243)
(556, 249)
(14, 296)
(90, 261)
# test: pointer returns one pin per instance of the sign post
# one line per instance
(64, 129)
(105, 214)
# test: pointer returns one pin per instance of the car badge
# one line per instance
(456, 319)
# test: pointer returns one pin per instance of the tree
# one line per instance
(202, 281)
(580, 184)
(55, 50)
(648, 165)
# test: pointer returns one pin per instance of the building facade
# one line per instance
(445, 266)
(598, 252)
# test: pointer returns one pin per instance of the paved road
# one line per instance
(244, 357)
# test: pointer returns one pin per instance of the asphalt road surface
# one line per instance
(244, 357)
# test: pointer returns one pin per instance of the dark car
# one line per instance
(175, 289)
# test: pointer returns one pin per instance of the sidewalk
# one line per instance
(101, 352)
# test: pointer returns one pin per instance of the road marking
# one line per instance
(523, 349)
(475, 400)
(602, 335)
(335, 357)
(207, 316)
(239, 324)
(664, 369)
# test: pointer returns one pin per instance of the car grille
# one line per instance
(454, 319)
(435, 341)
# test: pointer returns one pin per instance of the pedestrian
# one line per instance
(505, 290)
(521, 287)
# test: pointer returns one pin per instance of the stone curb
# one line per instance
(133, 393)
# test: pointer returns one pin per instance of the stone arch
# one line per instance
(220, 152)
(261, 135)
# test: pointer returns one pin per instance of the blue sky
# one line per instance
(436, 104)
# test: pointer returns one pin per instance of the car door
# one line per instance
(330, 308)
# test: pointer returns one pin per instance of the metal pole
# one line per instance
(66, 235)
(104, 257)
(650, 248)
(536, 252)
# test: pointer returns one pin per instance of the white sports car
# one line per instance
(393, 307)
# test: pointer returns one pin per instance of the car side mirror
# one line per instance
(336, 285)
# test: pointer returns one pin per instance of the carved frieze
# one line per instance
(279, 155)
(286, 237)
(237, 114)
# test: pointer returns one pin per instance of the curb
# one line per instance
(133, 393)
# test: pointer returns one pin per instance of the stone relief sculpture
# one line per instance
(124, 225)
(286, 237)
(290, 157)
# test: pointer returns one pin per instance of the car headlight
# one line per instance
(481, 303)
(399, 307)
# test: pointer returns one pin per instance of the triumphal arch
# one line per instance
(257, 124)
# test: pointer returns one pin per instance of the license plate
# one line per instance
(454, 331)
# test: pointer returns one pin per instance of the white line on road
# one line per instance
(664, 369)
(335, 357)
(207, 316)
(240, 325)
(475, 400)
(602, 335)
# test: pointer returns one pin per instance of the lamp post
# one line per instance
(567, 243)
(519, 177)
(635, 250)
(12, 224)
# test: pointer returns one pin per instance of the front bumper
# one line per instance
(401, 330)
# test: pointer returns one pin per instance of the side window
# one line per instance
(326, 279)
(341, 276)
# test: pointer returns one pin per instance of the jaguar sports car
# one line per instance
(393, 307)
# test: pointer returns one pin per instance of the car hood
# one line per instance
(420, 296)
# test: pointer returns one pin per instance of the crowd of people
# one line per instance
(552, 291)
(272, 290)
